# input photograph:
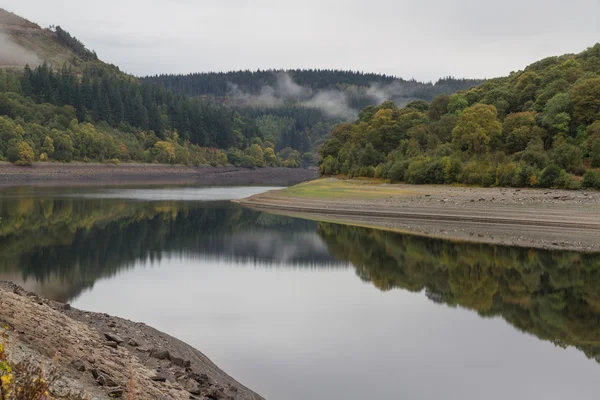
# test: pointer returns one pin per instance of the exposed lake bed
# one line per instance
(268, 298)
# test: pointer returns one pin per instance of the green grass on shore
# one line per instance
(328, 188)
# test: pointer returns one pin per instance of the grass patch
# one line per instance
(345, 189)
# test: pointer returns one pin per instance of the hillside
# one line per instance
(536, 127)
(255, 87)
(298, 108)
(64, 104)
(69, 105)
(22, 42)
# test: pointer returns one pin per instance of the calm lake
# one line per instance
(301, 310)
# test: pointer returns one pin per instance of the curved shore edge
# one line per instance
(549, 219)
(97, 356)
(130, 174)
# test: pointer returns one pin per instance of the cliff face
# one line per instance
(96, 356)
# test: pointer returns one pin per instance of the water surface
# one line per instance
(296, 309)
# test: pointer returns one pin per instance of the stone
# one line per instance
(67, 307)
(132, 342)
(192, 386)
(158, 378)
(95, 373)
(180, 362)
(160, 354)
(114, 345)
(78, 365)
(115, 392)
(113, 337)
(104, 380)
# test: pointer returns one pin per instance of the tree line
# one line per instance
(100, 114)
(537, 127)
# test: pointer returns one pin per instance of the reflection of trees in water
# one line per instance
(553, 295)
(80, 240)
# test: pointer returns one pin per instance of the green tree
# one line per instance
(48, 146)
(477, 128)
(585, 96)
(519, 129)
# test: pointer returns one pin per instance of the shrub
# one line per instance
(566, 181)
(329, 166)
(549, 176)
(397, 171)
(24, 380)
(591, 179)
(472, 174)
(417, 172)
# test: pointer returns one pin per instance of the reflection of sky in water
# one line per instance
(185, 194)
(324, 334)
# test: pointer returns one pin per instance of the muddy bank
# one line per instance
(82, 174)
(98, 356)
(552, 219)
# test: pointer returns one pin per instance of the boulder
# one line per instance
(192, 386)
(113, 337)
(160, 354)
(158, 378)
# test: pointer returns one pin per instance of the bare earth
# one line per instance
(82, 174)
(99, 357)
(553, 219)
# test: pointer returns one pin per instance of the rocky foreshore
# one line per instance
(98, 356)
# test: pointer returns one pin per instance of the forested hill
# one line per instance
(298, 108)
(361, 88)
(536, 127)
(59, 101)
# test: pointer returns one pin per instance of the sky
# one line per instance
(424, 40)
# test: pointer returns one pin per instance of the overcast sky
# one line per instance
(411, 39)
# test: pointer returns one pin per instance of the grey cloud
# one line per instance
(463, 38)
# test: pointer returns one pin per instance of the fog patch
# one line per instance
(12, 54)
(333, 103)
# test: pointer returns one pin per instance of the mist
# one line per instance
(13, 54)
(333, 103)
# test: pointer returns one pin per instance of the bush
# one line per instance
(472, 174)
(549, 176)
(329, 166)
(591, 179)
(397, 171)
(20, 153)
(506, 174)
(566, 181)
(417, 172)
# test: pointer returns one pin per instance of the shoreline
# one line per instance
(96, 355)
(126, 174)
(548, 219)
